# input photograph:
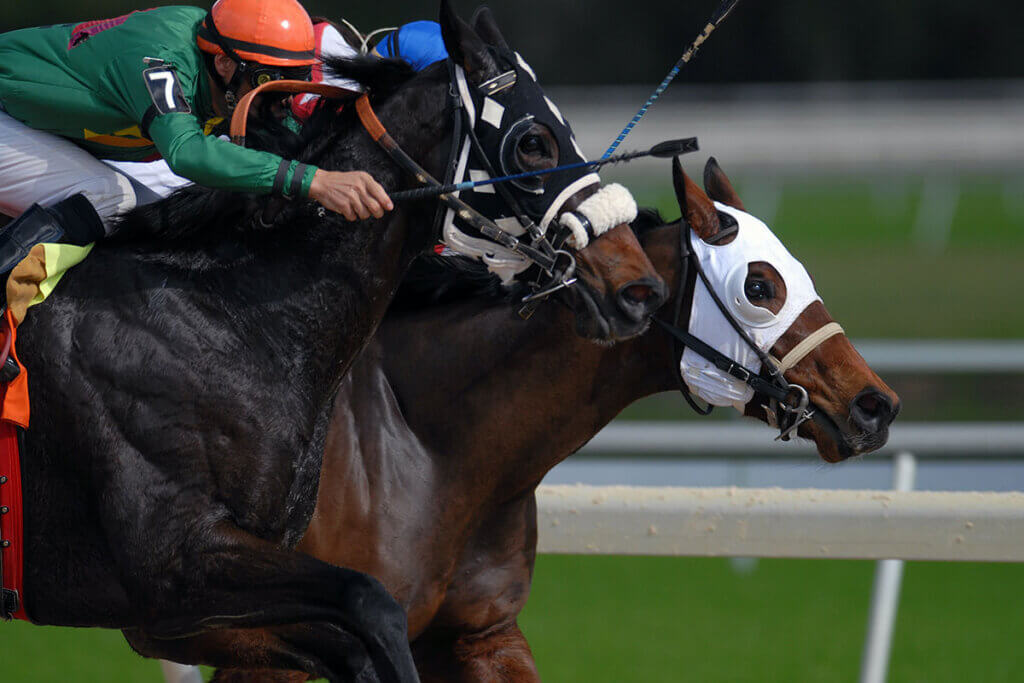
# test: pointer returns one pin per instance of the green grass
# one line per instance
(621, 619)
(659, 619)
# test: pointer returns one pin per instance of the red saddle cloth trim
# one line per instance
(11, 529)
(14, 414)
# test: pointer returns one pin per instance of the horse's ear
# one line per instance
(718, 187)
(696, 207)
(465, 47)
(487, 27)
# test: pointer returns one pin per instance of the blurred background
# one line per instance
(884, 142)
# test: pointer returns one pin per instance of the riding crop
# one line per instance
(717, 18)
(662, 150)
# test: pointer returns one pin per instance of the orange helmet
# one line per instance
(270, 32)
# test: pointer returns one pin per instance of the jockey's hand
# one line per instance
(353, 194)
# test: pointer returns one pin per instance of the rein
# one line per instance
(789, 404)
(240, 117)
(558, 264)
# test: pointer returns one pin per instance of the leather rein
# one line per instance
(558, 264)
(789, 405)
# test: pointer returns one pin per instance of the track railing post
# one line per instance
(885, 596)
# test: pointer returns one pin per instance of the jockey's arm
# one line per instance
(154, 92)
(167, 119)
(215, 162)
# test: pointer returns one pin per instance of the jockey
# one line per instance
(419, 43)
(146, 85)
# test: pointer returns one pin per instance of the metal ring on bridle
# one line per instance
(561, 278)
(803, 400)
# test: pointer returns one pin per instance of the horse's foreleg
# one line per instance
(347, 626)
(499, 655)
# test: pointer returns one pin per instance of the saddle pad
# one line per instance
(30, 283)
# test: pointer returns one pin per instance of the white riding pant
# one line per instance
(37, 167)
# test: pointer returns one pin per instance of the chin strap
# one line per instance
(230, 87)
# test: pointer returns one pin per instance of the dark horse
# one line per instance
(463, 410)
(183, 380)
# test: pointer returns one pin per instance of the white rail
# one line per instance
(750, 440)
(737, 522)
(776, 130)
(943, 355)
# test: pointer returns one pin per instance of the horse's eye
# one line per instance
(758, 290)
(532, 144)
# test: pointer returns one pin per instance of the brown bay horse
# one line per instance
(453, 415)
(183, 377)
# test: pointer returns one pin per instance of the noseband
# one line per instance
(788, 406)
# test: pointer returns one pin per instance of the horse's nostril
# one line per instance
(637, 293)
(869, 404)
(640, 298)
(872, 411)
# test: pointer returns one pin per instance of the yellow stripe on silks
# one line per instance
(212, 123)
(127, 137)
(59, 258)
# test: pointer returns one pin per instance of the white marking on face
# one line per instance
(476, 176)
(554, 110)
(576, 146)
(525, 67)
(492, 113)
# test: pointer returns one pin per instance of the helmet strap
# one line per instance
(241, 66)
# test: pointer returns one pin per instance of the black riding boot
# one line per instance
(72, 221)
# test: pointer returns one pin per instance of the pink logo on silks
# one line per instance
(82, 32)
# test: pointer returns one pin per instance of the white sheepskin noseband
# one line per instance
(726, 267)
(610, 206)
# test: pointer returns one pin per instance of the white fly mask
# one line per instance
(726, 269)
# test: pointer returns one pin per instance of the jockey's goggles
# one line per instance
(260, 74)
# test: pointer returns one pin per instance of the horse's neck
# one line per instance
(502, 400)
(338, 277)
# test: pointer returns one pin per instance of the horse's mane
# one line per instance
(381, 76)
(200, 214)
(441, 280)
(646, 220)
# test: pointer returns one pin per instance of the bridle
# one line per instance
(789, 405)
(559, 264)
(556, 266)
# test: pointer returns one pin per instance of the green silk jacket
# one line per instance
(134, 88)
